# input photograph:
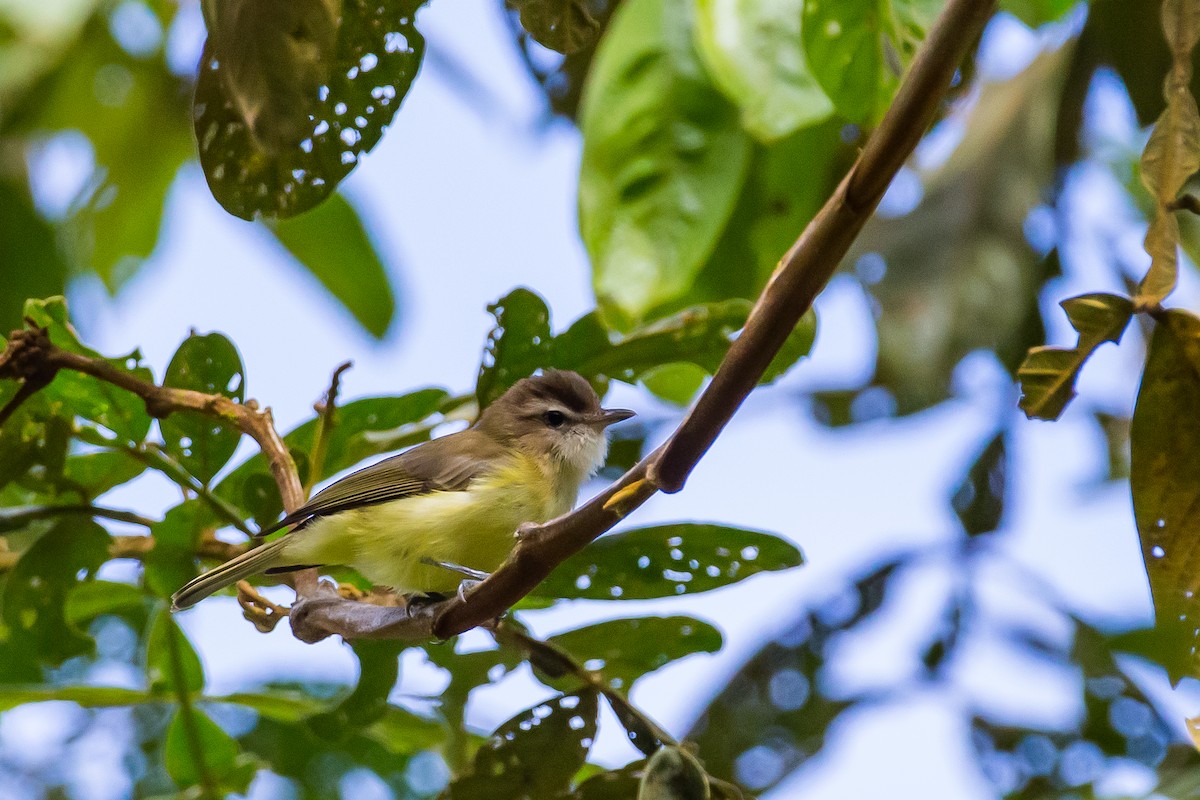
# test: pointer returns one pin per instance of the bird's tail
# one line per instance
(249, 563)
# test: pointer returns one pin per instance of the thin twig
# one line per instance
(325, 409)
(15, 518)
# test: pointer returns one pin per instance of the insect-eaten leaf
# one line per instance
(1165, 442)
(1048, 374)
(664, 159)
(209, 364)
(291, 94)
(624, 650)
(534, 754)
(667, 561)
(567, 26)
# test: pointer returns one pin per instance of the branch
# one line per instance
(799, 278)
(15, 518)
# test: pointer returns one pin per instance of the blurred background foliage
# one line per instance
(711, 132)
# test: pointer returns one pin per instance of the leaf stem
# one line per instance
(187, 716)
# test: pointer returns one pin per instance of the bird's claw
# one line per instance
(474, 574)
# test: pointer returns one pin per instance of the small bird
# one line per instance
(409, 521)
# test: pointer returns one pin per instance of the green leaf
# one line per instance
(673, 774)
(379, 667)
(401, 732)
(666, 561)
(93, 474)
(92, 599)
(38, 585)
(979, 499)
(196, 750)
(12, 696)
(664, 158)
(534, 754)
(277, 704)
(172, 664)
(1165, 459)
(675, 383)
(567, 26)
(626, 649)
(172, 561)
(1036, 13)
(208, 364)
(362, 428)
(518, 344)
(1172, 154)
(343, 107)
(858, 49)
(332, 243)
(754, 52)
(1048, 374)
(30, 262)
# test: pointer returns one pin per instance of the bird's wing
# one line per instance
(446, 464)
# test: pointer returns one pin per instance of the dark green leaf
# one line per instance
(1048, 374)
(1165, 460)
(563, 25)
(197, 751)
(857, 49)
(666, 561)
(38, 586)
(172, 562)
(673, 774)
(401, 732)
(626, 649)
(352, 99)
(332, 244)
(617, 784)
(172, 665)
(518, 344)
(93, 474)
(755, 54)
(30, 262)
(663, 161)
(379, 667)
(38, 433)
(979, 499)
(208, 364)
(362, 428)
(534, 754)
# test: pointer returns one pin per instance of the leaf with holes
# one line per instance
(567, 26)
(666, 561)
(518, 344)
(36, 590)
(1172, 154)
(208, 364)
(664, 158)
(1165, 441)
(1048, 374)
(534, 754)
(346, 104)
(754, 51)
(626, 649)
(332, 244)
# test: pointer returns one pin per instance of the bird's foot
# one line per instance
(474, 574)
(465, 587)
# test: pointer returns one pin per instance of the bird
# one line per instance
(452, 505)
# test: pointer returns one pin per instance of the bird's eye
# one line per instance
(555, 419)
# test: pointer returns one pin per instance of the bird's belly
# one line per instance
(386, 542)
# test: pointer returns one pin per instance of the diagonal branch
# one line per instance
(799, 278)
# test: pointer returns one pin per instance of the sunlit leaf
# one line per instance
(1173, 153)
(1165, 439)
(755, 54)
(172, 664)
(196, 750)
(673, 774)
(667, 560)
(209, 364)
(535, 753)
(664, 158)
(332, 244)
(1037, 12)
(567, 26)
(1048, 374)
(858, 49)
(12, 696)
(38, 585)
(626, 649)
(376, 57)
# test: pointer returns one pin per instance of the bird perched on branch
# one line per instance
(410, 521)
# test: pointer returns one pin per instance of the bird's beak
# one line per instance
(611, 416)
